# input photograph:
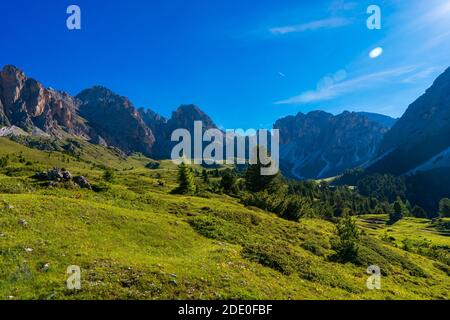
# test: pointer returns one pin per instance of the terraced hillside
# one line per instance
(134, 239)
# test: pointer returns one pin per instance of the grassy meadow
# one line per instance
(134, 239)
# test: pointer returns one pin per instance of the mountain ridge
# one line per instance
(382, 119)
(420, 134)
(319, 144)
(313, 145)
(26, 103)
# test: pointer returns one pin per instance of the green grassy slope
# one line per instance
(133, 239)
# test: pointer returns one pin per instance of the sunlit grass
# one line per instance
(133, 239)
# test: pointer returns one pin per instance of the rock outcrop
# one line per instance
(57, 176)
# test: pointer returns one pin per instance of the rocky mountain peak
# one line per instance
(182, 118)
(421, 133)
(185, 116)
(12, 81)
(154, 121)
(106, 96)
(151, 118)
(116, 120)
(27, 104)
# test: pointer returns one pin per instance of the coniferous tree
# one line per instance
(444, 207)
(399, 211)
(186, 180)
(255, 181)
(419, 212)
(228, 182)
(346, 247)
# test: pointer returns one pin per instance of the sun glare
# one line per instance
(375, 53)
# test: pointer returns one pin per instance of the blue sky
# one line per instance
(246, 63)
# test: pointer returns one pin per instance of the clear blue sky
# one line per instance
(246, 63)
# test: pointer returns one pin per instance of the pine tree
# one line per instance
(347, 246)
(399, 211)
(444, 207)
(257, 182)
(186, 180)
(418, 212)
(229, 182)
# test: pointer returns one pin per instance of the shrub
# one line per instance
(109, 175)
(289, 207)
(296, 208)
(4, 161)
(153, 165)
(276, 256)
(314, 246)
(219, 229)
(101, 187)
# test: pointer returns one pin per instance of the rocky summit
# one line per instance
(319, 144)
(116, 120)
(27, 104)
(97, 115)
(182, 118)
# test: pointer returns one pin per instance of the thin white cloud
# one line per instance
(402, 63)
(442, 38)
(335, 89)
(422, 74)
(438, 14)
(312, 25)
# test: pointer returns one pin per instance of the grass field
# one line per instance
(133, 239)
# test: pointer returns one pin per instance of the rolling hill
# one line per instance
(134, 239)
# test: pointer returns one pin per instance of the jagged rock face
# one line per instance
(382, 119)
(12, 81)
(153, 120)
(183, 118)
(96, 114)
(116, 120)
(318, 144)
(26, 103)
(422, 133)
(4, 121)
